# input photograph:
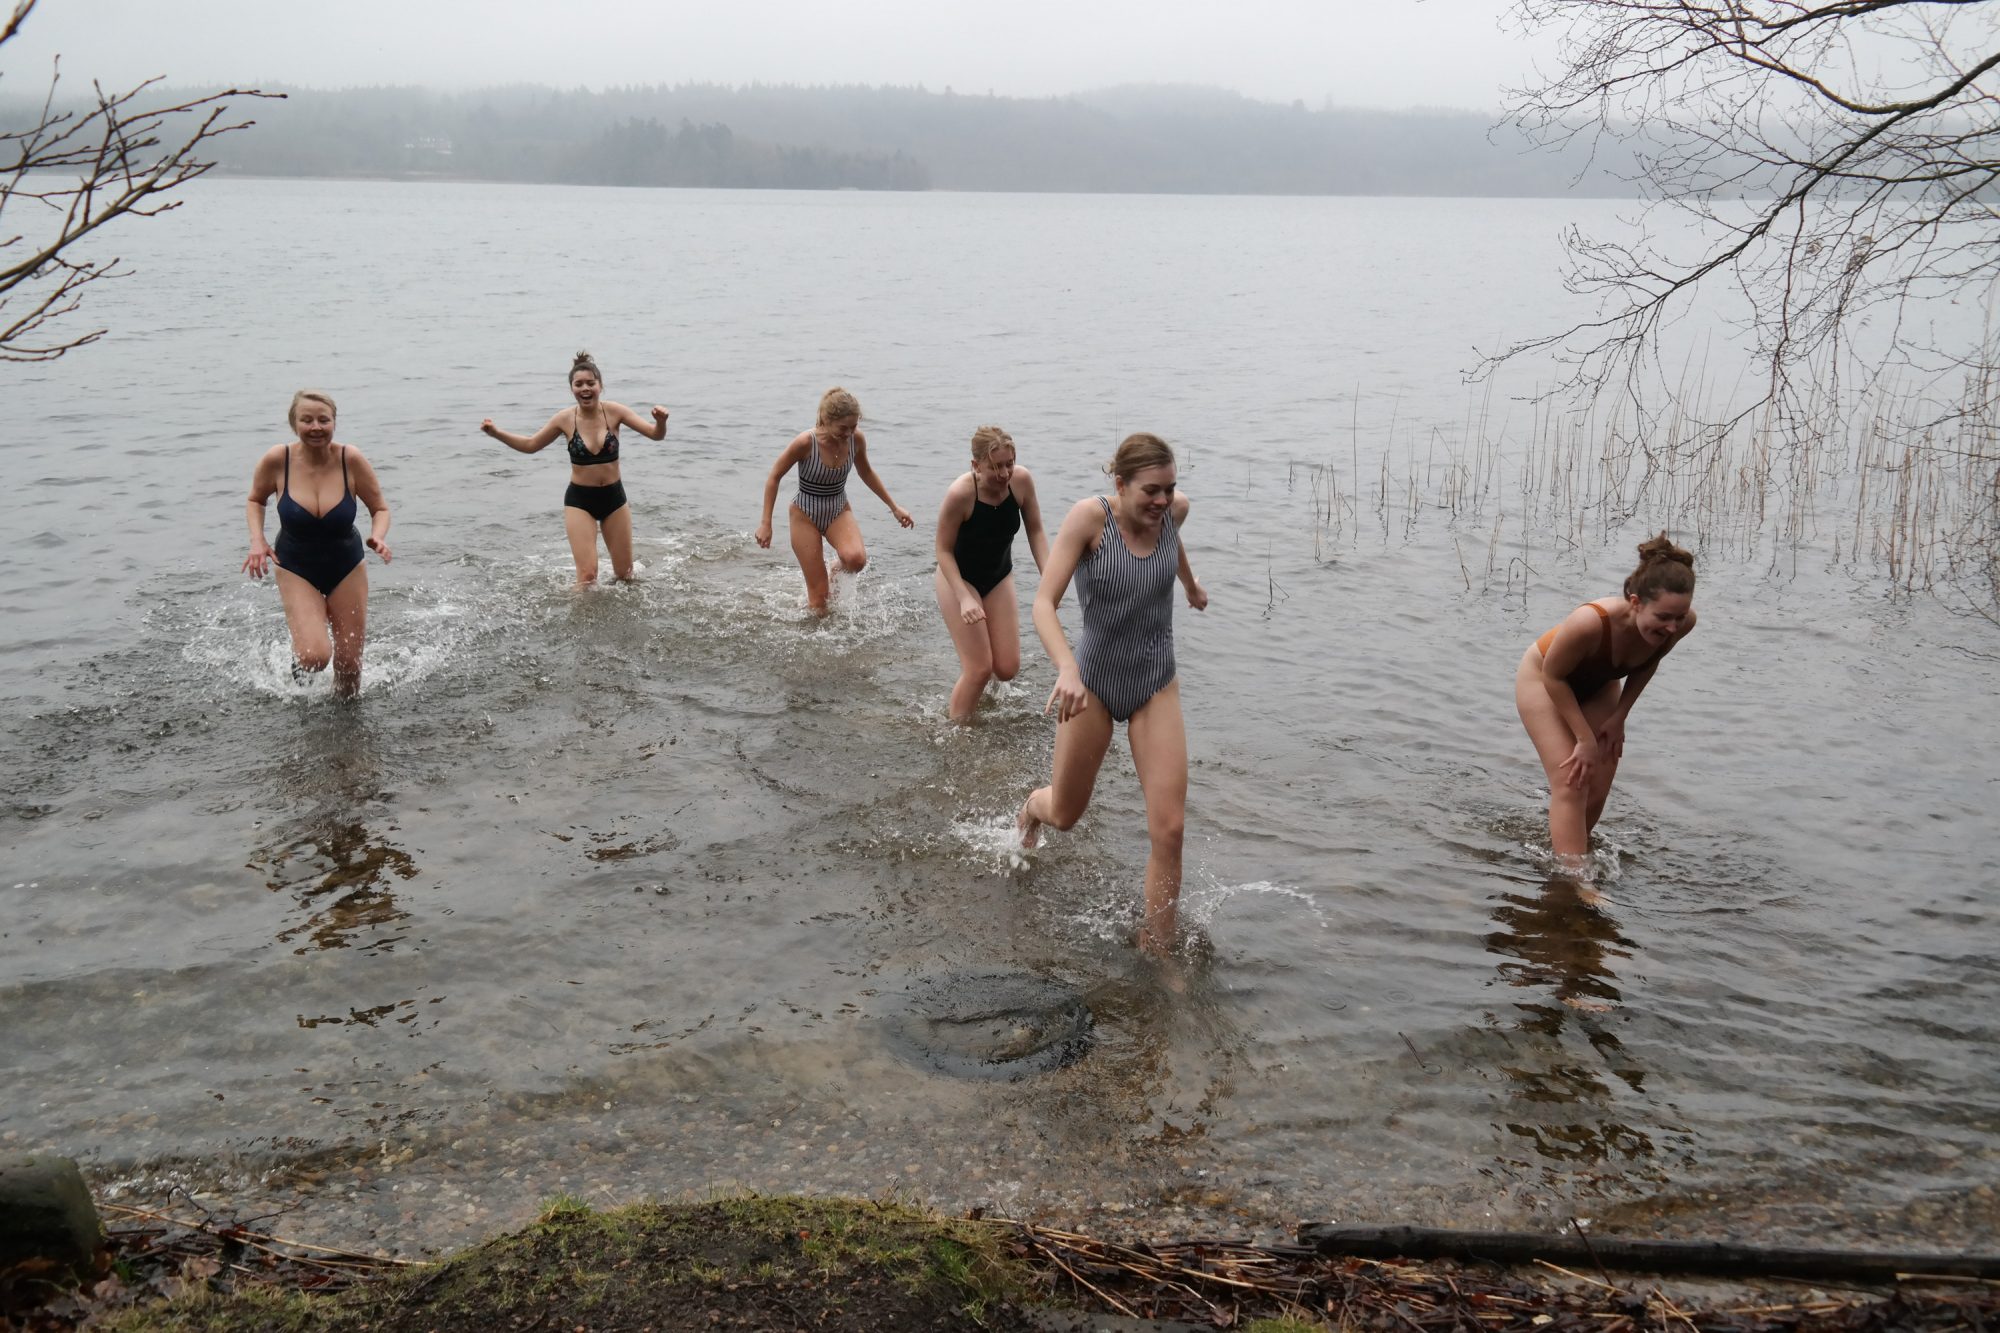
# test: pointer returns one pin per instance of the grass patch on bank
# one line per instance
(752, 1262)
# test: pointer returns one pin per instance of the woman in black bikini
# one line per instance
(595, 499)
(322, 574)
(982, 511)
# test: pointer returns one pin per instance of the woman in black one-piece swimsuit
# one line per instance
(322, 573)
(595, 500)
(982, 511)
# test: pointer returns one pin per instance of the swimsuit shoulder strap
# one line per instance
(1604, 630)
(346, 486)
(288, 470)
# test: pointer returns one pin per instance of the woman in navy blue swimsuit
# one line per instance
(595, 500)
(322, 574)
(975, 565)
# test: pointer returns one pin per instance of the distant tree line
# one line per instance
(1137, 140)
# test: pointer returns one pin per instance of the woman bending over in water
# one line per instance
(1124, 551)
(1577, 683)
(982, 511)
(820, 512)
(595, 500)
(322, 566)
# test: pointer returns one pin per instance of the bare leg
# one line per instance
(1080, 746)
(812, 562)
(582, 530)
(1003, 629)
(1569, 824)
(617, 527)
(305, 615)
(347, 610)
(1158, 736)
(975, 659)
(844, 536)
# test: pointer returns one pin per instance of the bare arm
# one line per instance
(527, 444)
(957, 507)
(791, 454)
(1031, 516)
(866, 471)
(368, 489)
(1196, 594)
(263, 485)
(655, 429)
(1635, 683)
(1082, 525)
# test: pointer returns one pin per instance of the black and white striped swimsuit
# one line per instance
(1126, 655)
(822, 493)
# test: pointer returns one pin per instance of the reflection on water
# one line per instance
(350, 866)
(1560, 944)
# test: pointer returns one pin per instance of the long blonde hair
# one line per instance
(837, 404)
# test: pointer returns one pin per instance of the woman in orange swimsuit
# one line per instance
(1577, 683)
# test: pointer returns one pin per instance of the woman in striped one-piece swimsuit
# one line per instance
(820, 512)
(1125, 552)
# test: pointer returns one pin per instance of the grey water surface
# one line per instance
(623, 894)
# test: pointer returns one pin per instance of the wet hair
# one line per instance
(307, 396)
(988, 438)
(1136, 453)
(837, 404)
(582, 361)
(1663, 567)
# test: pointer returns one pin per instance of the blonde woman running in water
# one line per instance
(1576, 685)
(824, 456)
(595, 500)
(1125, 552)
(982, 511)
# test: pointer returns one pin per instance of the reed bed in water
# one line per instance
(1906, 488)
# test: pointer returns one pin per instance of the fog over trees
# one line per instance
(1136, 139)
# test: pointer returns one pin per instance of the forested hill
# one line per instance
(1141, 140)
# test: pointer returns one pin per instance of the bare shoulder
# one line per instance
(1022, 484)
(1180, 506)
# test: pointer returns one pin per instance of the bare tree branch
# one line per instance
(75, 171)
(1835, 158)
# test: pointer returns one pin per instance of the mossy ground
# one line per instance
(728, 1263)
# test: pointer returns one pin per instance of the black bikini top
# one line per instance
(579, 452)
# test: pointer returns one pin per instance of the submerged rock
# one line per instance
(991, 1025)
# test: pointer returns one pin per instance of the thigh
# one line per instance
(1003, 627)
(844, 535)
(617, 527)
(305, 611)
(1081, 743)
(581, 529)
(969, 640)
(347, 610)
(806, 542)
(1157, 734)
(1544, 724)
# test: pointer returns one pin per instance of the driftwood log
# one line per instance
(1711, 1258)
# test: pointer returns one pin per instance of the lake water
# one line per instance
(622, 894)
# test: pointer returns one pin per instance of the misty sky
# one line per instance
(1387, 53)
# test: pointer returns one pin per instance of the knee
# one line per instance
(854, 561)
(1166, 828)
(315, 658)
(1006, 668)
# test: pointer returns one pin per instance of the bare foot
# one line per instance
(1029, 826)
